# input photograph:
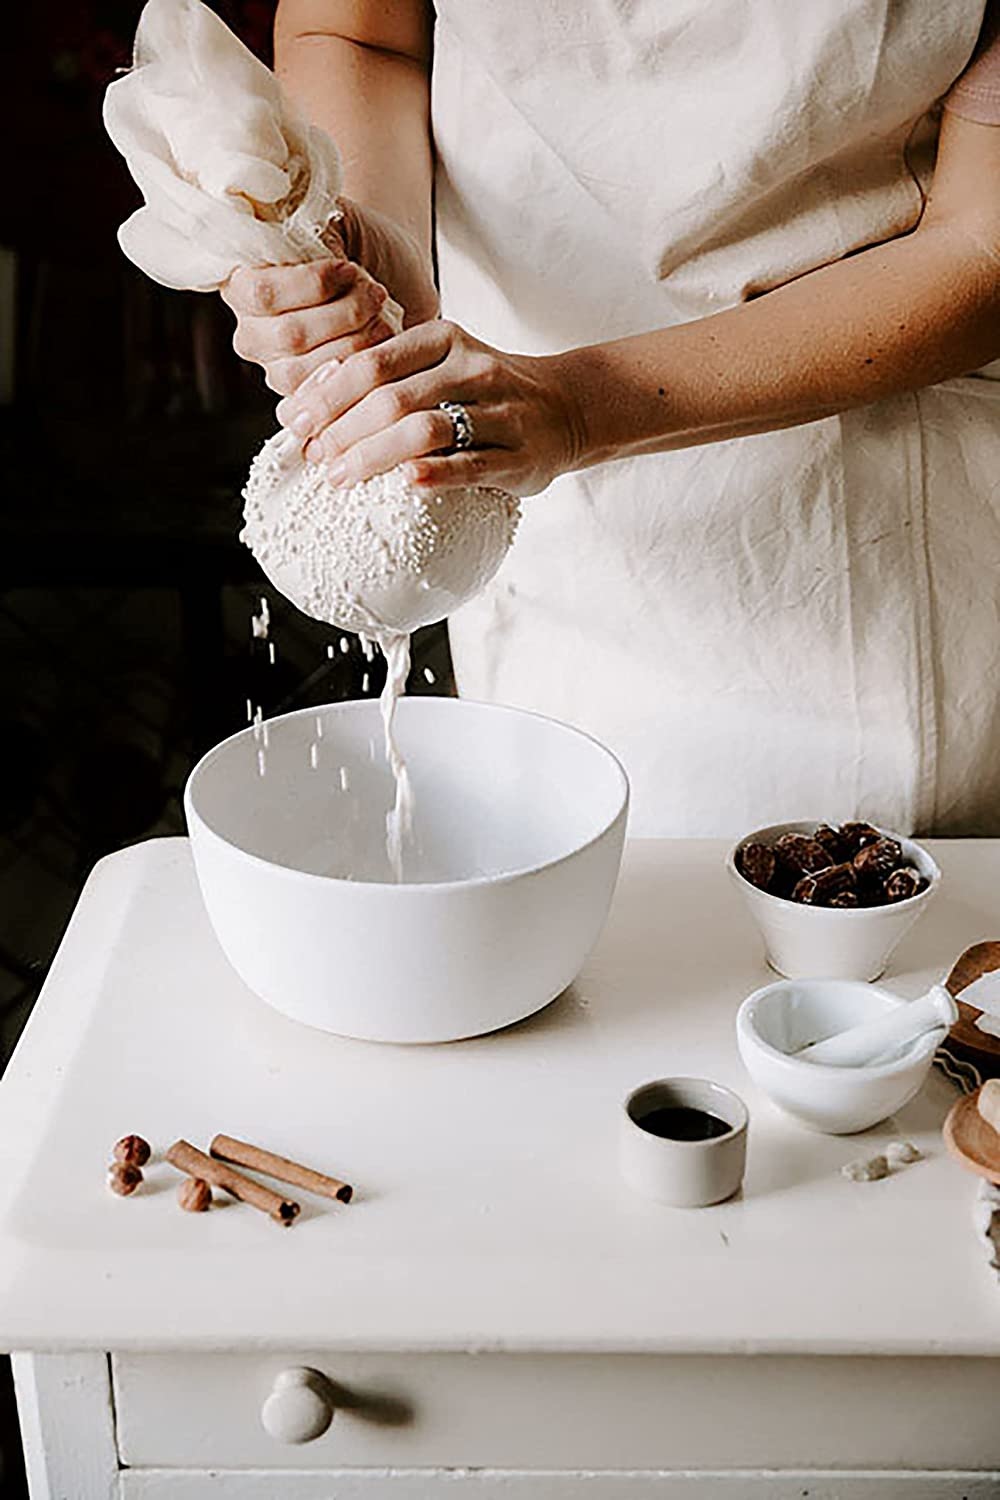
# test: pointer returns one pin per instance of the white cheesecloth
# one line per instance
(232, 176)
(800, 624)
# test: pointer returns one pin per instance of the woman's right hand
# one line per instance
(293, 319)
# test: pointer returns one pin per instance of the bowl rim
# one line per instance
(804, 825)
(632, 1124)
(917, 1054)
(348, 705)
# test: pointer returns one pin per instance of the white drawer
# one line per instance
(566, 1412)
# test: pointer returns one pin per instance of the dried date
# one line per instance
(756, 863)
(876, 861)
(856, 835)
(819, 888)
(801, 854)
(833, 843)
(844, 901)
(904, 883)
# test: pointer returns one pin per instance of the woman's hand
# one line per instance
(292, 319)
(379, 408)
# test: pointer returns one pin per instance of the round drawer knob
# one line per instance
(300, 1407)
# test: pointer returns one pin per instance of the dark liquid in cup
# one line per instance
(678, 1123)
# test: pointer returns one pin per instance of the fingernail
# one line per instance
(336, 471)
(301, 424)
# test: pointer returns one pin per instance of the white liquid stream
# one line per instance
(399, 818)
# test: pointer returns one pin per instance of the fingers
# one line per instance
(420, 432)
(287, 376)
(418, 437)
(288, 335)
(266, 291)
(456, 470)
(422, 348)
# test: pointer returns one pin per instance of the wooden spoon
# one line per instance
(970, 1140)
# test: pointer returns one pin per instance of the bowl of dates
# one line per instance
(831, 900)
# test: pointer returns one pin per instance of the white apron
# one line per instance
(800, 624)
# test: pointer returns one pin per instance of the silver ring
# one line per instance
(461, 424)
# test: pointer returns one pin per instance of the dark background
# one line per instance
(126, 429)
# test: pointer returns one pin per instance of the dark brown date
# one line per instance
(845, 900)
(756, 863)
(857, 835)
(876, 861)
(801, 853)
(819, 888)
(832, 842)
(904, 883)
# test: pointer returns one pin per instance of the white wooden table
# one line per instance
(498, 1315)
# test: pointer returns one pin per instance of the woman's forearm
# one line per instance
(891, 319)
(365, 78)
(899, 316)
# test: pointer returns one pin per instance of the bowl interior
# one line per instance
(496, 791)
(792, 1014)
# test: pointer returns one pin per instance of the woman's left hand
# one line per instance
(379, 408)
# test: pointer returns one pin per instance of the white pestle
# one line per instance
(876, 1040)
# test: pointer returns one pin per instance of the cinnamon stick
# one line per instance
(195, 1163)
(226, 1148)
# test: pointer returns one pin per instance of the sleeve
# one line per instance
(976, 94)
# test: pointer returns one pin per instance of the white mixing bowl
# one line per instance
(519, 824)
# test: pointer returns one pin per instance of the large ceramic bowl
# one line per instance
(818, 942)
(517, 838)
(774, 1022)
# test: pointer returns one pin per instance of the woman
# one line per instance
(764, 568)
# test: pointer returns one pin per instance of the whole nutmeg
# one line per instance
(194, 1195)
(123, 1178)
(132, 1150)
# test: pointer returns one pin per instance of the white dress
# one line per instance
(800, 624)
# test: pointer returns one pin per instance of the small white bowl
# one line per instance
(683, 1173)
(821, 942)
(780, 1018)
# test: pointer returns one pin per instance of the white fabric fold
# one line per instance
(231, 174)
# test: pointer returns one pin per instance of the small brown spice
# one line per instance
(194, 1163)
(194, 1195)
(132, 1150)
(123, 1178)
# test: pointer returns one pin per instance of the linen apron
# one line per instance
(800, 624)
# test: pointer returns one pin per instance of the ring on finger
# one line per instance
(463, 431)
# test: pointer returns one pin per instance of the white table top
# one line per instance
(489, 1214)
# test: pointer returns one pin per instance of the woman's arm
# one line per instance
(893, 318)
(361, 71)
(890, 319)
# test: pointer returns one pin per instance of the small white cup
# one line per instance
(686, 1174)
